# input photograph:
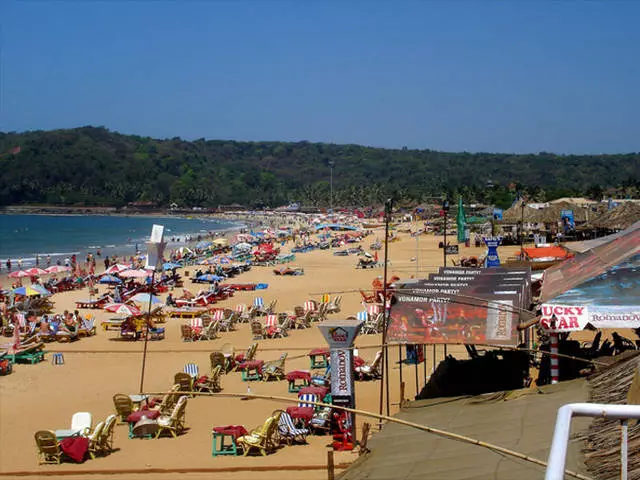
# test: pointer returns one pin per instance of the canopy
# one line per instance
(600, 287)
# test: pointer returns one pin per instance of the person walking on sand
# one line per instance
(48, 260)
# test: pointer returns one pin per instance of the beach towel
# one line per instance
(75, 448)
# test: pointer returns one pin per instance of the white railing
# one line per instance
(558, 453)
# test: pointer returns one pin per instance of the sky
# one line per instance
(477, 75)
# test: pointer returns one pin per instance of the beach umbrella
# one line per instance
(36, 271)
(30, 291)
(208, 277)
(171, 266)
(203, 244)
(19, 274)
(110, 279)
(117, 268)
(145, 297)
(57, 269)
(123, 309)
(135, 274)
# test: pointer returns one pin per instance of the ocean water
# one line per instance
(24, 236)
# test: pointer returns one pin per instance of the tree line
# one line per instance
(96, 167)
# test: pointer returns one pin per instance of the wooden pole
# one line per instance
(401, 376)
(331, 473)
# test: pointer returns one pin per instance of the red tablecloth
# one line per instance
(299, 375)
(75, 448)
(303, 413)
(235, 430)
(136, 416)
(319, 391)
(318, 351)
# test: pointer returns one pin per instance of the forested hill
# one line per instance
(93, 166)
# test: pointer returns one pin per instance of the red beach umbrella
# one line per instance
(123, 309)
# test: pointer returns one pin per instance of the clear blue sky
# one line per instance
(477, 75)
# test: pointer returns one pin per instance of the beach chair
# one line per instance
(321, 314)
(272, 327)
(48, 447)
(191, 369)
(288, 431)
(210, 332)
(304, 321)
(174, 423)
(228, 321)
(250, 355)
(274, 369)
(262, 438)
(123, 405)
(363, 316)
(370, 371)
(188, 334)
(305, 398)
(210, 383)
(335, 306)
(310, 306)
(320, 423)
(87, 327)
(81, 422)
(105, 439)
(168, 401)
(366, 298)
(94, 439)
(229, 356)
(258, 302)
(217, 359)
(258, 331)
(184, 380)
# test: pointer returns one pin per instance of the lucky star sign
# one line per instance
(567, 318)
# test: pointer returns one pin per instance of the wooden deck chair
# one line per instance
(304, 321)
(272, 307)
(123, 406)
(320, 314)
(48, 447)
(217, 359)
(287, 430)
(272, 327)
(372, 370)
(105, 440)
(262, 438)
(229, 356)
(184, 380)
(187, 333)
(274, 369)
(87, 327)
(335, 306)
(210, 383)
(227, 323)
(368, 298)
(310, 306)
(175, 423)
(169, 400)
(210, 332)
(94, 440)
(257, 330)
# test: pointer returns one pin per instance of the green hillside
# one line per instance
(93, 166)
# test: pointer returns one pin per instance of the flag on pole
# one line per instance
(460, 221)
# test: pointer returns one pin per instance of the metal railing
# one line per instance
(558, 453)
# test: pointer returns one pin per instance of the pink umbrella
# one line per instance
(36, 271)
(123, 309)
(57, 269)
(19, 274)
(117, 268)
(135, 274)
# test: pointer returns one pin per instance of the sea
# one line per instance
(60, 236)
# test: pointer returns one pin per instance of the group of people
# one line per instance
(46, 325)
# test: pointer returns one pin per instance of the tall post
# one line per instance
(384, 381)
(155, 249)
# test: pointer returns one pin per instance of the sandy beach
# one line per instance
(45, 396)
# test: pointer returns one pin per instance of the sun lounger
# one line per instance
(288, 432)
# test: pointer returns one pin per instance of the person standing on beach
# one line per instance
(48, 260)
(37, 260)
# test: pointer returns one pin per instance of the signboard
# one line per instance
(418, 318)
(340, 335)
(452, 249)
(571, 318)
(155, 248)
(492, 260)
(497, 214)
(568, 222)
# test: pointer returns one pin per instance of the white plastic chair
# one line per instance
(81, 421)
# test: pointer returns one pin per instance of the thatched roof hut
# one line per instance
(602, 439)
(618, 218)
(546, 215)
